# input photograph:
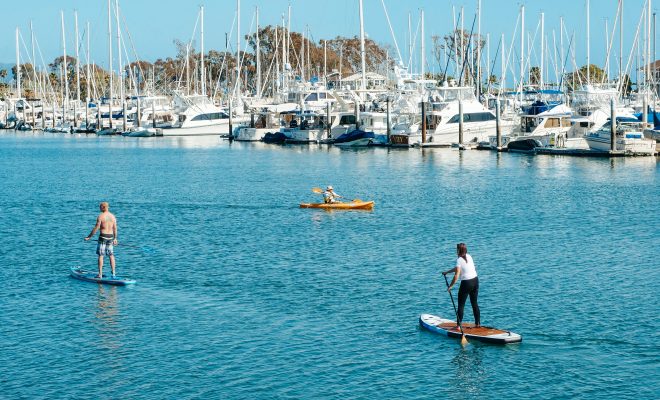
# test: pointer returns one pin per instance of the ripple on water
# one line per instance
(241, 294)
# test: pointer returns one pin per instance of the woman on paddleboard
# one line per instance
(466, 270)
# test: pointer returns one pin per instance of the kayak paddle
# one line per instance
(463, 338)
(317, 190)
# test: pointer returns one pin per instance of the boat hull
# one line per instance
(354, 205)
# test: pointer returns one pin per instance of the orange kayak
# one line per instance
(354, 205)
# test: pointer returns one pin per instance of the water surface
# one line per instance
(241, 294)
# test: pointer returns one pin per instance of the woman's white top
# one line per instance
(468, 270)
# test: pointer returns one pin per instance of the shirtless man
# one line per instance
(107, 224)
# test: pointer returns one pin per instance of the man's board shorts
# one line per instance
(104, 246)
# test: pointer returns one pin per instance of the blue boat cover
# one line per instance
(355, 135)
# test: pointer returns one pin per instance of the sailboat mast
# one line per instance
(75, 17)
(620, 41)
(18, 67)
(478, 49)
(87, 73)
(64, 63)
(238, 47)
(258, 54)
(503, 65)
(110, 63)
(542, 68)
(522, 51)
(423, 58)
(201, 55)
(648, 46)
(588, 49)
(120, 66)
(35, 84)
(362, 52)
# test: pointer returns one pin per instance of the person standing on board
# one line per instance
(106, 223)
(329, 196)
(466, 270)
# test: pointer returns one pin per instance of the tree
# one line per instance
(575, 79)
(458, 45)
(626, 87)
(534, 75)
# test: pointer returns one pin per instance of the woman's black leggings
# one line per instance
(469, 287)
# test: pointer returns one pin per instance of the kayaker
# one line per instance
(329, 196)
(466, 270)
(106, 223)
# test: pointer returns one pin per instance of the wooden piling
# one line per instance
(139, 113)
(328, 127)
(153, 114)
(231, 132)
(612, 126)
(123, 115)
(99, 118)
(498, 126)
(389, 127)
(460, 122)
(423, 122)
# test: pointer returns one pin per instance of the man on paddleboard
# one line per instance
(466, 270)
(106, 223)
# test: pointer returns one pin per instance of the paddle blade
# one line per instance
(464, 340)
(317, 190)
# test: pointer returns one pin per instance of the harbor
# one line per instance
(285, 88)
(280, 204)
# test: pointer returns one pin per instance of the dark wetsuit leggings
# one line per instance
(470, 288)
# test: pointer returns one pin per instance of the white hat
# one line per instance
(328, 188)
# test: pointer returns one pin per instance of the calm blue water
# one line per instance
(241, 294)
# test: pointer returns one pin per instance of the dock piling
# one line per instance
(123, 115)
(460, 122)
(327, 120)
(153, 115)
(498, 126)
(423, 122)
(389, 127)
(231, 131)
(645, 111)
(612, 126)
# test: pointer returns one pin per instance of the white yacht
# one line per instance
(547, 122)
(629, 137)
(264, 123)
(197, 115)
(442, 120)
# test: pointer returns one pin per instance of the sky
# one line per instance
(154, 24)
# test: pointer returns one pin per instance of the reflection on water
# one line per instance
(469, 373)
(107, 318)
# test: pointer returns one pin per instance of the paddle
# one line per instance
(320, 191)
(463, 338)
(146, 249)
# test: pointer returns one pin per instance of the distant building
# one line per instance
(374, 81)
(655, 73)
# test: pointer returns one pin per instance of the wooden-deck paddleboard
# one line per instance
(91, 276)
(482, 333)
